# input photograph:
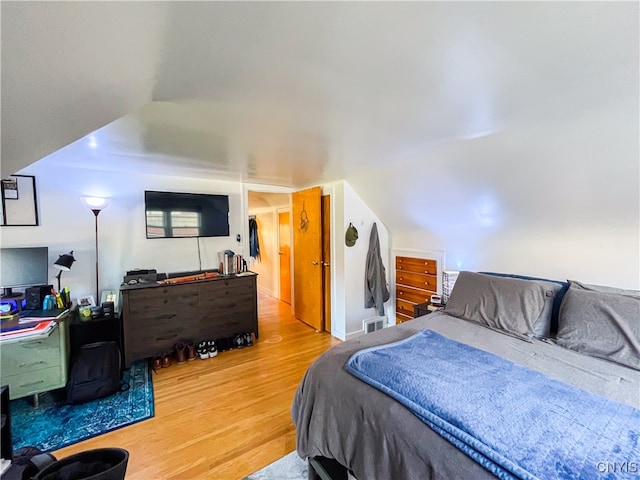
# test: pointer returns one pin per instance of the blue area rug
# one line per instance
(54, 424)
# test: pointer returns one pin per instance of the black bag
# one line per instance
(95, 372)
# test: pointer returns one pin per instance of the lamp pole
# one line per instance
(96, 212)
(96, 205)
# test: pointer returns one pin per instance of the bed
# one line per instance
(584, 337)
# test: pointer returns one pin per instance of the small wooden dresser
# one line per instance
(416, 281)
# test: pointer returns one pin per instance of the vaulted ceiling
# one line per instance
(294, 93)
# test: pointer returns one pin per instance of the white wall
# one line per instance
(559, 199)
(66, 224)
(348, 263)
(267, 266)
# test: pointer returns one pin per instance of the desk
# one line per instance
(35, 364)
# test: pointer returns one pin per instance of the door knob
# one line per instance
(314, 262)
(326, 264)
(280, 253)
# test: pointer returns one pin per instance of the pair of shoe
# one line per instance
(207, 349)
(161, 361)
(184, 351)
(242, 340)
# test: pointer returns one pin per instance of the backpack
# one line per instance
(95, 372)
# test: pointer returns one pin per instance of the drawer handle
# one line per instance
(23, 365)
(31, 344)
(168, 338)
(401, 293)
(31, 384)
(165, 301)
(166, 316)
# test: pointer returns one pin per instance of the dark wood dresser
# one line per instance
(156, 316)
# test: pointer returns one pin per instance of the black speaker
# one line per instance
(34, 296)
(107, 309)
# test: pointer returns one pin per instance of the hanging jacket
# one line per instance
(254, 244)
(375, 282)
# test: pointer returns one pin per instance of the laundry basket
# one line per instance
(97, 464)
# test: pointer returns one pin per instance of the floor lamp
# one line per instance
(96, 205)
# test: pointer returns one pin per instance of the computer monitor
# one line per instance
(23, 267)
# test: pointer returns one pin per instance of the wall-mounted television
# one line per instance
(179, 215)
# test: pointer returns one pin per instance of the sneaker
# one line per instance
(203, 350)
(223, 344)
(247, 339)
(211, 348)
(238, 341)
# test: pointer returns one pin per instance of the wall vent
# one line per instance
(373, 324)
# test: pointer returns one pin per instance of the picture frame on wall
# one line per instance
(111, 296)
(19, 202)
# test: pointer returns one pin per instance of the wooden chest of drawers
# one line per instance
(416, 281)
(156, 317)
(37, 364)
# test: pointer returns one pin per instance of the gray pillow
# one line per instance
(600, 288)
(517, 306)
(599, 322)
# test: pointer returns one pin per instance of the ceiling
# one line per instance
(296, 93)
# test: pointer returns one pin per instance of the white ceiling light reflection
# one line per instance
(487, 211)
(93, 142)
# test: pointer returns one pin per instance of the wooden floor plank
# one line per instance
(225, 417)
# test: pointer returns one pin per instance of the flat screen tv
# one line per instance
(179, 215)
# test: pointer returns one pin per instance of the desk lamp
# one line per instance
(63, 263)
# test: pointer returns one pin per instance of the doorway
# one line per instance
(265, 208)
(275, 215)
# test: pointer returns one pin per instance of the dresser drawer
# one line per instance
(412, 295)
(32, 355)
(42, 380)
(211, 293)
(236, 321)
(417, 265)
(402, 318)
(158, 300)
(404, 307)
(416, 280)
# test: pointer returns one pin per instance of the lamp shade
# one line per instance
(96, 203)
(65, 261)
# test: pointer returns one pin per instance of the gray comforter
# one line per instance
(340, 417)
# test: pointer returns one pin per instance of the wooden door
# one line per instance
(326, 260)
(284, 252)
(306, 224)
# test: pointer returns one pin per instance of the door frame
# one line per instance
(244, 200)
(278, 212)
(328, 189)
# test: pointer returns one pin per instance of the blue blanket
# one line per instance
(516, 422)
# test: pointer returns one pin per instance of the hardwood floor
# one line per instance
(225, 417)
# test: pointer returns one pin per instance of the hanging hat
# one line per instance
(351, 236)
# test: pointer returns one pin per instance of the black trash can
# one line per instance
(97, 464)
